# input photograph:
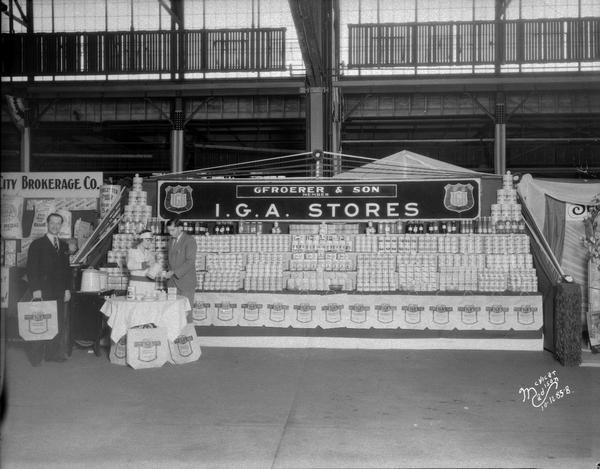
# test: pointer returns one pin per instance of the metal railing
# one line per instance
(474, 43)
(264, 49)
(131, 52)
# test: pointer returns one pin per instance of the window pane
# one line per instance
(146, 15)
(534, 9)
(228, 14)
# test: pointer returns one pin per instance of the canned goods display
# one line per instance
(487, 254)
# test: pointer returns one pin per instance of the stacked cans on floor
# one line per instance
(506, 212)
(121, 243)
(136, 213)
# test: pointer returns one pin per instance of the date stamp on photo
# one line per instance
(545, 391)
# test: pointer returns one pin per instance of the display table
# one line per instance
(123, 314)
(494, 321)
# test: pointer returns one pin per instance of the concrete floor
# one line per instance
(268, 408)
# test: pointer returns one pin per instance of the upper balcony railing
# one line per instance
(371, 46)
(474, 43)
(148, 52)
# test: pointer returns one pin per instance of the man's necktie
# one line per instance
(56, 243)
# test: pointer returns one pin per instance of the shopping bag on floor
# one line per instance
(147, 347)
(38, 320)
(118, 351)
(186, 347)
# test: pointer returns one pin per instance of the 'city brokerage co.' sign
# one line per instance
(301, 200)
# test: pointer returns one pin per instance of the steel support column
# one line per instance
(500, 149)
(335, 137)
(336, 131)
(26, 148)
(316, 121)
(500, 135)
(177, 138)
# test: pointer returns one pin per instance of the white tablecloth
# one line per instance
(123, 314)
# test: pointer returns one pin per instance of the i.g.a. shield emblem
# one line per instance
(459, 197)
(178, 199)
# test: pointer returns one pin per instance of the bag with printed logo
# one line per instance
(147, 347)
(186, 347)
(38, 320)
(118, 351)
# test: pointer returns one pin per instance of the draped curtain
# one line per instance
(554, 226)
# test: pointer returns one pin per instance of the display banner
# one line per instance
(51, 185)
(415, 312)
(310, 199)
(574, 258)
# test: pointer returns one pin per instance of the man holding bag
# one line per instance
(49, 279)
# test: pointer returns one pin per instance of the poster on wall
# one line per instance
(4, 282)
(593, 313)
(574, 259)
(51, 185)
(28, 198)
(12, 217)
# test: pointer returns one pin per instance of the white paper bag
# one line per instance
(186, 347)
(38, 320)
(147, 347)
(118, 351)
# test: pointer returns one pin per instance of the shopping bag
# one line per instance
(118, 351)
(147, 347)
(38, 320)
(186, 347)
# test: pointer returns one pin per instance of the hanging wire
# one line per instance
(206, 171)
(376, 167)
(253, 171)
(302, 165)
(407, 170)
(410, 170)
(346, 155)
(275, 166)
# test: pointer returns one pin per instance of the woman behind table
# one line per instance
(139, 260)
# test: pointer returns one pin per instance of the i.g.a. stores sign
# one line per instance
(307, 199)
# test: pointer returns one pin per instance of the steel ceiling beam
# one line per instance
(24, 20)
(420, 140)
(525, 82)
(174, 17)
(162, 89)
(246, 149)
(476, 140)
(120, 156)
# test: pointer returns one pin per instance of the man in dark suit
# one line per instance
(182, 260)
(50, 279)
